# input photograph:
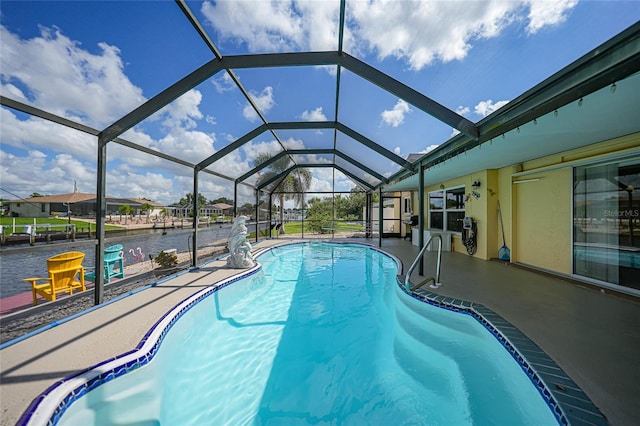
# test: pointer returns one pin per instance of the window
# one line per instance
(606, 222)
(446, 209)
(408, 208)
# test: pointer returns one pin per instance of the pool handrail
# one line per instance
(436, 283)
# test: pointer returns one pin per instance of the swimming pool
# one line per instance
(321, 333)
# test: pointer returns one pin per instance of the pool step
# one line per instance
(438, 376)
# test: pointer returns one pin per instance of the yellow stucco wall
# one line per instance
(494, 237)
(504, 196)
(475, 208)
(537, 215)
(543, 221)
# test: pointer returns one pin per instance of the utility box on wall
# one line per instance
(446, 238)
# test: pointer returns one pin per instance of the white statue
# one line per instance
(239, 247)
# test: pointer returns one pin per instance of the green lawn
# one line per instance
(296, 227)
(7, 223)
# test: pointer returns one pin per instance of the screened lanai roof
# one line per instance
(346, 89)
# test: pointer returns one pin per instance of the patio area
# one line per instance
(495, 125)
(593, 336)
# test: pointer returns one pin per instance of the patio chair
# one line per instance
(66, 273)
(113, 264)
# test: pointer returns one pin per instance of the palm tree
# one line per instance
(146, 208)
(125, 210)
(164, 212)
(292, 187)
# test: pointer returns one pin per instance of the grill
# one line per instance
(413, 221)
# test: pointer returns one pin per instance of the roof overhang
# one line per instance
(593, 99)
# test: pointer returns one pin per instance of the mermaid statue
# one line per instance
(239, 248)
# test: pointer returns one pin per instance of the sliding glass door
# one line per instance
(606, 222)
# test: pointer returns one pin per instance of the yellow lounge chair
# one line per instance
(65, 274)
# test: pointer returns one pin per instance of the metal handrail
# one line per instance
(436, 284)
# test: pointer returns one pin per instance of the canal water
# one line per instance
(25, 261)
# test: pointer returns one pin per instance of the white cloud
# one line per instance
(544, 13)
(67, 80)
(13, 92)
(35, 163)
(253, 149)
(263, 100)
(37, 172)
(223, 83)
(322, 174)
(52, 72)
(275, 26)
(279, 28)
(191, 146)
(182, 112)
(320, 18)
(485, 108)
(17, 172)
(395, 116)
(417, 31)
(245, 195)
(345, 183)
(233, 164)
(55, 73)
(314, 115)
(153, 186)
(429, 149)
(482, 109)
(463, 110)
(213, 190)
(320, 185)
(39, 134)
(292, 143)
(414, 30)
(317, 159)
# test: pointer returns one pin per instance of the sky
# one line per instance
(94, 61)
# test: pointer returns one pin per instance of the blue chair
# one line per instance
(113, 264)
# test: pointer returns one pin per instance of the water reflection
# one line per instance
(17, 263)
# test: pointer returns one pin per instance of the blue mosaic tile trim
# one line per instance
(567, 401)
(138, 362)
(142, 359)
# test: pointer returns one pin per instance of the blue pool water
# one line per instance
(322, 334)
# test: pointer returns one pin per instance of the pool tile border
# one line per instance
(567, 401)
(50, 405)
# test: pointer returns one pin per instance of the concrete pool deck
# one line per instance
(594, 337)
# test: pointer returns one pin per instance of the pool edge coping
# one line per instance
(569, 403)
(566, 407)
